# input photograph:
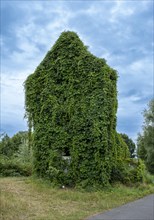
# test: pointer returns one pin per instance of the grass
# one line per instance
(33, 199)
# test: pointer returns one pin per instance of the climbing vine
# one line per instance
(71, 104)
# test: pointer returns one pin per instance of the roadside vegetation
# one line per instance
(36, 199)
(145, 141)
(15, 155)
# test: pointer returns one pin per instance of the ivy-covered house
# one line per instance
(71, 104)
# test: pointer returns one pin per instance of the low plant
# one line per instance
(13, 167)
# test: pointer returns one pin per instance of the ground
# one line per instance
(34, 199)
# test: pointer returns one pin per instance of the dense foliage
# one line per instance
(15, 155)
(10, 146)
(71, 105)
(145, 141)
(130, 144)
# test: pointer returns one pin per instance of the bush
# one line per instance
(12, 167)
(149, 179)
(132, 171)
(15, 155)
(137, 172)
(120, 172)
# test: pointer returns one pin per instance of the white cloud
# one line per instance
(12, 101)
(12, 90)
(110, 32)
(1, 41)
(121, 9)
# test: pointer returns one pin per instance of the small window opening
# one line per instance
(66, 152)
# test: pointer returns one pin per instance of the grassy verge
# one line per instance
(27, 198)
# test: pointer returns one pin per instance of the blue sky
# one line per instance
(119, 31)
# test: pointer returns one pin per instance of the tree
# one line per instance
(10, 146)
(130, 144)
(15, 155)
(6, 146)
(141, 151)
(145, 141)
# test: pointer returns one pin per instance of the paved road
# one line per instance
(142, 209)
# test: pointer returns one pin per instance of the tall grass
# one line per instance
(33, 199)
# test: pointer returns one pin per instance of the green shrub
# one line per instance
(120, 173)
(137, 172)
(149, 179)
(19, 161)
(129, 171)
(134, 172)
(12, 167)
(120, 168)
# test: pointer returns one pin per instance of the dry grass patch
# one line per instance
(26, 198)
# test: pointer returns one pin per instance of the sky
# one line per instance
(119, 31)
